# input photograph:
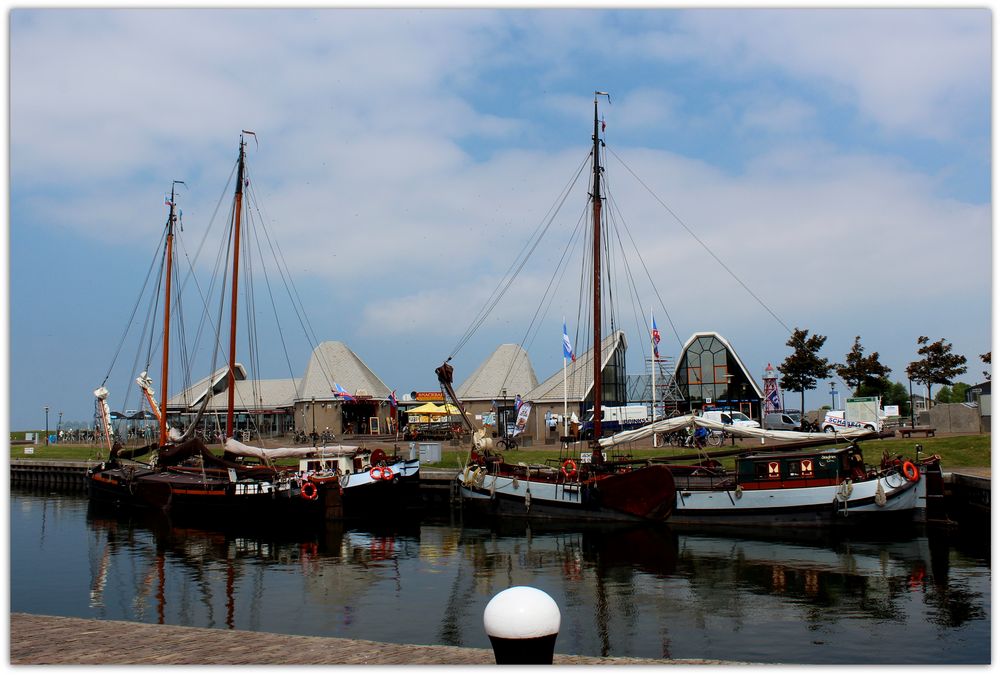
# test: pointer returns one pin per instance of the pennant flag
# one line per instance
(656, 339)
(567, 346)
(341, 392)
(603, 123)
(167, 202)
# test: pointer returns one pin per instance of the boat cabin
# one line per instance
(799, 469)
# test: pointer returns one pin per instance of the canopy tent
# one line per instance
(434, 409)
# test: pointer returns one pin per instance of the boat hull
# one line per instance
(645, 494)
(211, 499)
(805, 507)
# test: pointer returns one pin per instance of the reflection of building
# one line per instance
(308, 403)
(711, 375)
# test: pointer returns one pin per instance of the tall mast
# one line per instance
(237, 211)
(597, 274)
(171, 219)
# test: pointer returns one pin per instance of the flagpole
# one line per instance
(565, 388)
(652, 356)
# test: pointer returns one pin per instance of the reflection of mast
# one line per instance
(100, 579)
(161, 597)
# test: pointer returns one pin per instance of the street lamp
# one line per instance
(46, 425)
(314, 421)
(503, 395)
(833, 397)
(912, 422)
(59, 428)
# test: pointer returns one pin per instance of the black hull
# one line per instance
(192, 498)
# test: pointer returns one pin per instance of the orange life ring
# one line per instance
(386, 473)
(378, 470)
(309, 491)
(911, 471)
(569, 468)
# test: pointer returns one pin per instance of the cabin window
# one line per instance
(792, 469)
(807, 468)
(767, 470)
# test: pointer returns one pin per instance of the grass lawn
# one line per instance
(956, 452)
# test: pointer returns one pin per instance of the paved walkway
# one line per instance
(53, 640)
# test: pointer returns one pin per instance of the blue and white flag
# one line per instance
(567, 345)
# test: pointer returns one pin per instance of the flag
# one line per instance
(392, 399)
(567, 346)
(340, 391)
(656, 339)
(774, 399)
(604, 124)
(517, 403)
(167, 202)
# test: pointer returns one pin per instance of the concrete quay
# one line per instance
(55, 640)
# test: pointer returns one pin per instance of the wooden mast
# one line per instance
(166, 315)
(596, 196)
(237, 210)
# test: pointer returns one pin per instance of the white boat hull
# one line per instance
(817, 505)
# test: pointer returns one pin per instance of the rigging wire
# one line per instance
(515, 268)
(702, 243)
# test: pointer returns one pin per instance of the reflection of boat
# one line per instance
(571, 490)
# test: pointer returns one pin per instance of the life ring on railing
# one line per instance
(911, 471)
(386, 473)
(569, 468)
(309, 491)
(376, 470)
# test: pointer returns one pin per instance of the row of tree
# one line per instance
(866, 375)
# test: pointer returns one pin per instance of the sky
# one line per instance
(835, 162)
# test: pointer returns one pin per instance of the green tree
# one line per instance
(892, 393)
(986, 358)
(859, 369)
(939, 365)
(803, 367)
(954, 394)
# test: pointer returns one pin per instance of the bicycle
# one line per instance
(717, 438)
(507, 443)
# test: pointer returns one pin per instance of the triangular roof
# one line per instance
(257, 395)
(729, 348)
(506, 368)
(579, 374)
(334, 362)
(191, 397)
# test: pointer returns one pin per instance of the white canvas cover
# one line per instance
(683, 421)
(267, 454)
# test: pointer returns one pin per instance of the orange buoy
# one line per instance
(911, 471)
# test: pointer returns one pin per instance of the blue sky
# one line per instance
(838, 161)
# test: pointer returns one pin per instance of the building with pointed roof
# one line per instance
(710, 374)
(494, 386)
(547, 398)
(310, 403)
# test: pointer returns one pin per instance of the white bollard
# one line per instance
(522, 623)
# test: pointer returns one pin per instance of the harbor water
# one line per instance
(920, 596)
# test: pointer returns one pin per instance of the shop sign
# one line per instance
(427, 396)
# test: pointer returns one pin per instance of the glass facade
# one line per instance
(709, 376)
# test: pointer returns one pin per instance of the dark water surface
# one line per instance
(918, 597)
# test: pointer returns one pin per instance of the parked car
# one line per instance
(733, 417)
(782, 422)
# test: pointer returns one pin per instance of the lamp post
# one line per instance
(833, 397)
(503, 395)
(314, 421)
(46, 425)
(912, 422)
(59, 428)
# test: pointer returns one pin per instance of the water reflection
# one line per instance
(632, 591)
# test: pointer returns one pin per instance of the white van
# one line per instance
(733, 417)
